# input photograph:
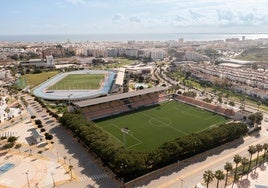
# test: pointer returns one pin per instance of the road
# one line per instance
(85, 167)
(190, 172)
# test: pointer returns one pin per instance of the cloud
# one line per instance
(225, 15)
(135, 19)
(195, 15)
(75, 2)
(117, 18)
(180, 19)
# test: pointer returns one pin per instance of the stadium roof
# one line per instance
(118, 96)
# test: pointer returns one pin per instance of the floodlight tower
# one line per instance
(125, 131)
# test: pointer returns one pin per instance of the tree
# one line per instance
(259, 104)
(251, 150)
(18, 146)
(219, 175)
(237, 160)
(244, 162)
(258, 118)
(9, 145)
(243, 102)
(219, 100)
(208, 177)
(265, 148)
(231, 103)
(258, 149)
(7, 110)
(12, 139)
(228, 167)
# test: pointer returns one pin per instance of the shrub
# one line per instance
(3, 137)
(38, 122)
(11, 139)
(40, 126)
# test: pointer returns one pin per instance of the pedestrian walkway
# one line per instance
(102, 176)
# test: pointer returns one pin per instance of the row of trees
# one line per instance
(137, 163)
(244, 168)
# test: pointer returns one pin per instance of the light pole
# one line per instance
(53, 181)
(181, 182)
(69, 102)
(28, 183)
(57, 157)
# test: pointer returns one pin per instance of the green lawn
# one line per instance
(78, 82)
(152, 127)
(33, 80)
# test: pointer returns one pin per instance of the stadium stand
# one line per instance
(116, 104)
(205, 105)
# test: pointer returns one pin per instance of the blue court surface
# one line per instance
(261, 186)
(4, 168)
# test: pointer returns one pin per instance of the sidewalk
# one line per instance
(258, 177)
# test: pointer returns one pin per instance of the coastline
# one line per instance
(127, 37)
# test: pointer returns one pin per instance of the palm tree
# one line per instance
(219, 175)
(208, 177)
(18, 146)
(64, 159)
(265, 147)
(259, 149)
(237, 160)
(71, 168)
(243, 102)
(244, 162)
(251, 150)
(228, 167)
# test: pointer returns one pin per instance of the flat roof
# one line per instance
(237, 61)
(231, 65)
(117, 97)
(120, 76)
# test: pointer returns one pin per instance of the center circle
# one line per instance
(160, 122)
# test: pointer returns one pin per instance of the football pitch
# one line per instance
(78, 82)
(151, 127)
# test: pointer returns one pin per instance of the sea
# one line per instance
(128, 37)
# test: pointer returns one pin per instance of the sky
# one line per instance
(27, 17)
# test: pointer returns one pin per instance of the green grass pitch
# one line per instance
(78, 82)
(150, 128)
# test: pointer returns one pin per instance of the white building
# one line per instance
(5, 74)
(132, 52)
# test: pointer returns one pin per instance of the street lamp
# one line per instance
(57, 157)
(181, 182)
(53, 181)
(28, 183)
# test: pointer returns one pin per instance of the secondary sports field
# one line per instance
(33, 80)
(152, 127)
(78, 82)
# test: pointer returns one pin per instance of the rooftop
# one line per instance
(117, 97)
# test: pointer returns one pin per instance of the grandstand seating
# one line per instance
(205, 105)
(114, 107)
